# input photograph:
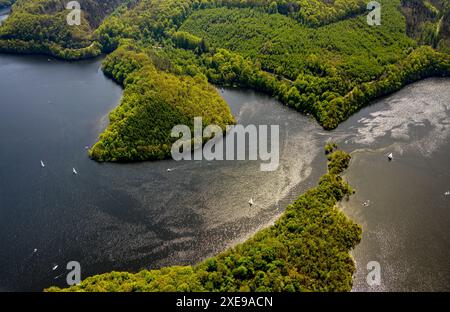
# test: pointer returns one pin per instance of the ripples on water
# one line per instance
(406, 226)
(133, 216)
(125, 216)
(4, 13)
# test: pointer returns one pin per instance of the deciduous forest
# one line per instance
(318, 57)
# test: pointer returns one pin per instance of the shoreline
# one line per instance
(392, 216)
(308, 210)
(419, 63)
(371, 110)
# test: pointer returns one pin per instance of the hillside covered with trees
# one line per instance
(40, 26)
(316, 56)
(428, 22)
(307, 249)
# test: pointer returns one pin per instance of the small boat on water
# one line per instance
(251, 202)
(42, 164)
(447, 193)
(56, 277)
(74, 171)
(391, 157)
(55, 267)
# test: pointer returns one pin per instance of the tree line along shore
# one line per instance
(317, 57)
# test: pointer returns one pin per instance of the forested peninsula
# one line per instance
(307, 249)
(318, 57)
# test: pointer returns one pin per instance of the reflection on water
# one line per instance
(133, 216)
(402, 204)
(4, 13)
(124, 216)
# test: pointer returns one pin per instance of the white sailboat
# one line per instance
(56, 277)
(74, 171)
(391, 156)
(42, 164)
(251, 202)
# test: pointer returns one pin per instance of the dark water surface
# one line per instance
(134, 216)
(406, 219)
(123, 216)
(4, 13)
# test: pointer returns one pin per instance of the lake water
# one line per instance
(134, 216)
(402, 204)
(4, 13)
(123, 216)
